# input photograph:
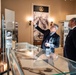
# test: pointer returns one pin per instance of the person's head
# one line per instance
(54, 28)
(72, 22)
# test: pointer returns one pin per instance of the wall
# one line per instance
(23, 8)
(0, 24)
(75, 8)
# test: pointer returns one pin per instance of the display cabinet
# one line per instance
(32, 60)
(66, 31)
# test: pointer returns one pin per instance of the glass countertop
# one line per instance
(34, 61)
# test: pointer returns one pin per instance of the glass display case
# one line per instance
(33, 61)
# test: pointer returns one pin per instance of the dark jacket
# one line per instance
(55, 37)
(70, 45)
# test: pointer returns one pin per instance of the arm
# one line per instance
(39, 29)
(74, 38)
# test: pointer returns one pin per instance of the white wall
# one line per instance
(68, 17)
(9, 18)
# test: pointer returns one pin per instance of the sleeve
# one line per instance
(74, 38)
(39, 29)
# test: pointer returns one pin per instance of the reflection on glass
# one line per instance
(33, 61)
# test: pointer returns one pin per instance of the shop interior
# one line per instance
(17, 19)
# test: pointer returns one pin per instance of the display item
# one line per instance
(48, 51)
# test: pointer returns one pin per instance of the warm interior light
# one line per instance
(29, 19)
(29, 53)
(3, 66)
(51, 19)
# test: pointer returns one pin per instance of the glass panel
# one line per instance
(14, 63)
(34, 61)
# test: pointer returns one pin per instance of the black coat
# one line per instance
(55, 37)
(70, 45)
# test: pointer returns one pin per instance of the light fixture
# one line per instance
(51, 21)
(51, 24)
(66, 0)
(29, 19)
(30, 22)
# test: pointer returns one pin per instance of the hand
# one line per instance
(37, 23)
(47, 44)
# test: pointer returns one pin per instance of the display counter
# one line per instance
(32, 60)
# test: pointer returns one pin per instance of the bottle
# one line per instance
(47, 51)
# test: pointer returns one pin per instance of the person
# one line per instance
(50, 39)
(70, 44)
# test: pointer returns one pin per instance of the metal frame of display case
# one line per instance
(34, 60)
(9, 34)
(13, 63)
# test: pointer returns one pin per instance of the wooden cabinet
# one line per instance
(37, 42)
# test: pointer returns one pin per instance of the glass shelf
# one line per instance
(33, 61)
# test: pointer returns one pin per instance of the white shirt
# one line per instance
(73, 27)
